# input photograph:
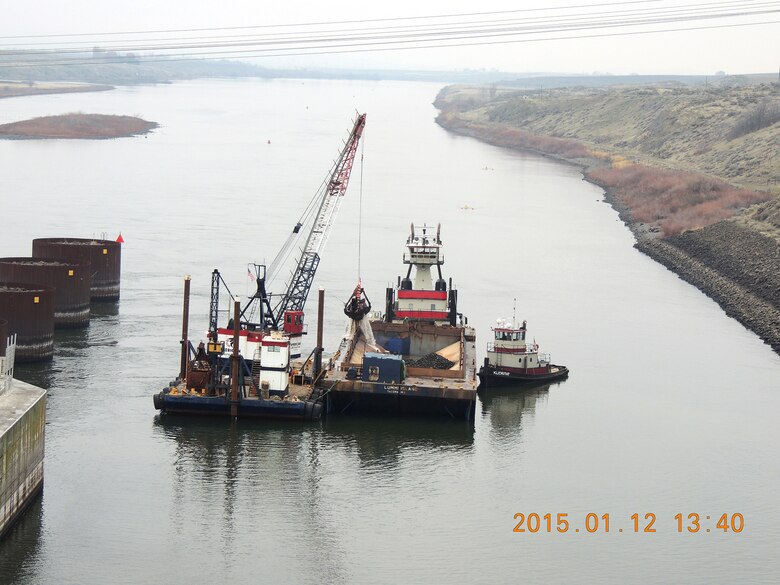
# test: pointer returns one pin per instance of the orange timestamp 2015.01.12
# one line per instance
(646, 523)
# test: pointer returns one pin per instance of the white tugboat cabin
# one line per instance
(424, 299)
(512, 359)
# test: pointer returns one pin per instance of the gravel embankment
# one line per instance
(736, 267)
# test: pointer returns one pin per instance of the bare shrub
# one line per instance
(674, 200)
(762, 115)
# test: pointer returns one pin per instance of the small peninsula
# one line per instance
(77, 126)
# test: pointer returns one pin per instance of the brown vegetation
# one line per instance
(77, 125)
(674, 200)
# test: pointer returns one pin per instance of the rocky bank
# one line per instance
(737, 267)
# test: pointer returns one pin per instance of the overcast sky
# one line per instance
(738, 49)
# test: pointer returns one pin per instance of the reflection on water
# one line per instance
(382, 441)
(257, 479)
(209, 446)
(20, 546)
(103, 310)
(505, 407)
(230, 469)
(37, 374)
(67, 340)
(72, 349)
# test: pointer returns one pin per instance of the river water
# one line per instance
(671, 406)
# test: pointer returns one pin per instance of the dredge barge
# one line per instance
(212, 384)
(419, 357)
(245, 367)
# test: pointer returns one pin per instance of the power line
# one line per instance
(363, 21)
(253, 53)
(422, 39)
(472, 27)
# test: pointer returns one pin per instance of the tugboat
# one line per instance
(419, 358)
(512, 360)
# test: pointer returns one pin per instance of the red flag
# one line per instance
(120, 239)
(249, 274)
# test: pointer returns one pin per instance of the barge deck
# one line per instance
(177, 399)
(419, 357)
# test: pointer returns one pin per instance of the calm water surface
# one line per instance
(671, 406)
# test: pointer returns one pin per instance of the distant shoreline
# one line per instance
(76, 126)
(10, 89)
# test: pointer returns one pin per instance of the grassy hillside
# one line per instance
(693, 171)
(728, 132)
(672, 157)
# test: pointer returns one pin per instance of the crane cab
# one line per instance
(294, 328)
(293, 323)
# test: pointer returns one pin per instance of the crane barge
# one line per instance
(244, 368)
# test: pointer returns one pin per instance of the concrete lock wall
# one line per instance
(22, 425)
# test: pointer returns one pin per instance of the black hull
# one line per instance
(345, 403)
(490, 376)
(218, 406)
